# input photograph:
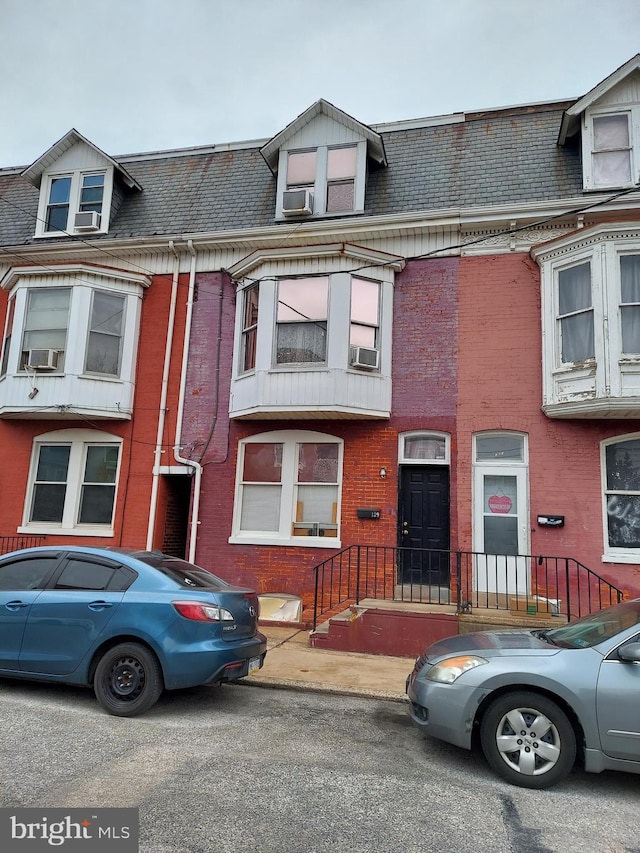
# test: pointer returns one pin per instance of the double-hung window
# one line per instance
(45, 328)
(105, 334)
(249, 327)
(611, 154)
(74, 202)
(58, 205)
(630, 303)
(288, 489)
(301, 336)
(365, 313)
(622, 499)
(73, 483)
(333, 175)
(575, 314)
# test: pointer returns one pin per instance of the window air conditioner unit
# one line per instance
(297, 203)
(365, 358)
(87, 220)
(42, 359)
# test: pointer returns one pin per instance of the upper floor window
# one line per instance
(301, 336)
(611, 150)
(288, 488)
(575, 313)
(621, 475)
(105, 334)
(610, 144)
(591, 322)
(72, 484)
(73, 203)
(249, 327)
(323, 180)
(45, 329)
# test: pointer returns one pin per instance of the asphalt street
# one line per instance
(244, 767)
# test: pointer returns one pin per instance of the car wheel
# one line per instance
(128, 680)
(528, 740)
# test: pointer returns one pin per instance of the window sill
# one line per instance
(633, 556)
(55, 530)
(296, 541)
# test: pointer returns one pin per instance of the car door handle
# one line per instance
(100, 605)
(16, 605)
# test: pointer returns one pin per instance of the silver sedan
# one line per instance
(535, 700)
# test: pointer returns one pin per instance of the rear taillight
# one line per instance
(203, 612)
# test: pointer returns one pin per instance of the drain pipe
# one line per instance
(196, 466)
(162, 414)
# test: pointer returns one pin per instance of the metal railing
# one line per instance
(15, 543)
(524, 583)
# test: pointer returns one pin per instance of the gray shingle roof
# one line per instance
(493, 158)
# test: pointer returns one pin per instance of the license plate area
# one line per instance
(254, 664)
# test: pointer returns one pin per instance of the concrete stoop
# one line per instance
(401, 629)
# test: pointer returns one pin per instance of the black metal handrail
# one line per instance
(524, 583)
(15, 543)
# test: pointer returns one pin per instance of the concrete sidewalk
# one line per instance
(292, 663)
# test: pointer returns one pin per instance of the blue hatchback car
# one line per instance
(128, 623)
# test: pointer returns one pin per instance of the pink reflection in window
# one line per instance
(302, 299)
(262, 463)
(301, 168)
(318, 463)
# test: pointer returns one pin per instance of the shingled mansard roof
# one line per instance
(499, 157)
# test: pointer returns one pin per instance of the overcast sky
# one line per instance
(146, 75)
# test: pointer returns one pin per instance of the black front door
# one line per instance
(424, 523)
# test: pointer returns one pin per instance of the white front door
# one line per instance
(501, 513)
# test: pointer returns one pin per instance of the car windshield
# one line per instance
(597, 627)
(186, 574)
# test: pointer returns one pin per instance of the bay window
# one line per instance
(591, 322)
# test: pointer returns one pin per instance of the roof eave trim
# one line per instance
(34, 172)
(571, 117)
(375, 144)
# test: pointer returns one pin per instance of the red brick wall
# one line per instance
(139, 434)
(424, 372)
(500, 387)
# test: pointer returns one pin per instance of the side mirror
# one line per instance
(630, 652)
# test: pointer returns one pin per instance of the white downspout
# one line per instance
(195, 506)
(163, 399)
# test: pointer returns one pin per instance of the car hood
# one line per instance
(491, 644)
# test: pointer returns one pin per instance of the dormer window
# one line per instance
(611, 156)
(321, 160)
(74, 203)
(321, 181)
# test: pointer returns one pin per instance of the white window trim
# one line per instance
(633, 111)
(613, 554)
(338, 323)
(79, 441)
(76, 176)
(419, 433)
(320, 185)
(290, 438)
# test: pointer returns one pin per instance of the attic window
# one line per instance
(323, 181)
(74, 203)
(611, 150)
